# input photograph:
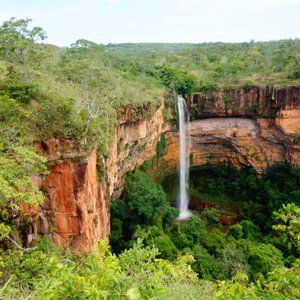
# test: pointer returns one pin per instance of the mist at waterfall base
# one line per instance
(184, 165)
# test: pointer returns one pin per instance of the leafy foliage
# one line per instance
(18, 162)
(288, 219)
(178, 79)
(161, 146)
(145, 204)
(137, 273)
(218, 255)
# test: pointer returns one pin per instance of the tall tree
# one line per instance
(18, 43)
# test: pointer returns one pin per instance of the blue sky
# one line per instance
(116, 21)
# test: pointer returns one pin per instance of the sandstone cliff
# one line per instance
(235, 141)
(243, 127)
(75, 213)
(134, 142)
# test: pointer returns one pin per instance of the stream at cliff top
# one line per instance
(184, 139)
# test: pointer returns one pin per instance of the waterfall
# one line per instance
(184, 141)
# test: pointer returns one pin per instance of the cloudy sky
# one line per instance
(115, 21)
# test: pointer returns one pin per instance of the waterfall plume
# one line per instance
(184, 141)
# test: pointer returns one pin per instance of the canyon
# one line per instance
(245, 126)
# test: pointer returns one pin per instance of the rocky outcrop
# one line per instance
(248, 126)
(75, 205)
(236, 141)
(134, 142)
(264, 102)
(75, 212)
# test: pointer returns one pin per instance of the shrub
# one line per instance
(206, 265)
(20, 91)
(213, 241)
(233, 259)
(211, 216)
(178, 79)
(161, 146)
(264, 258)
(189, 233)
(145, 204)
(166, 247)
(208, 87)
(288, 226)
(245, 230)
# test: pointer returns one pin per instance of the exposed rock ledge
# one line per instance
(237, 141)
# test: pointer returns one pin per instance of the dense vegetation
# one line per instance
(263, 239)
(204, 67)
(75, 93)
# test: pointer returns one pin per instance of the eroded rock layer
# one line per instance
(264, 132)
(75, 213)
(134, 143)
(235, 141)
(264, 101)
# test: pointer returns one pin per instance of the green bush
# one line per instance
(287, 227)
(189, 233)
(146, 201)
(177, 79)
(213, 241)
(206, 265)
(211, 217)
(161, 146)
(245, 230)
(208, 87)
(233, 259)
(166, 247)
(22, 92)
(264, 258)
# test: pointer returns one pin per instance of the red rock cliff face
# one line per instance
(269, 119)
(134, 142)
(75, 213)
(264, 101)
(236, 141)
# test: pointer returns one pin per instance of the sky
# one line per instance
(193, 21)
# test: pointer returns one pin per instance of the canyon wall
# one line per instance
(134, 142)
(75, 213)
(266, 102)
(235, 141)
(242, 127)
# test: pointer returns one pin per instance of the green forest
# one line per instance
(75, 93)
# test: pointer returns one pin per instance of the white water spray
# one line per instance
(184, 140)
